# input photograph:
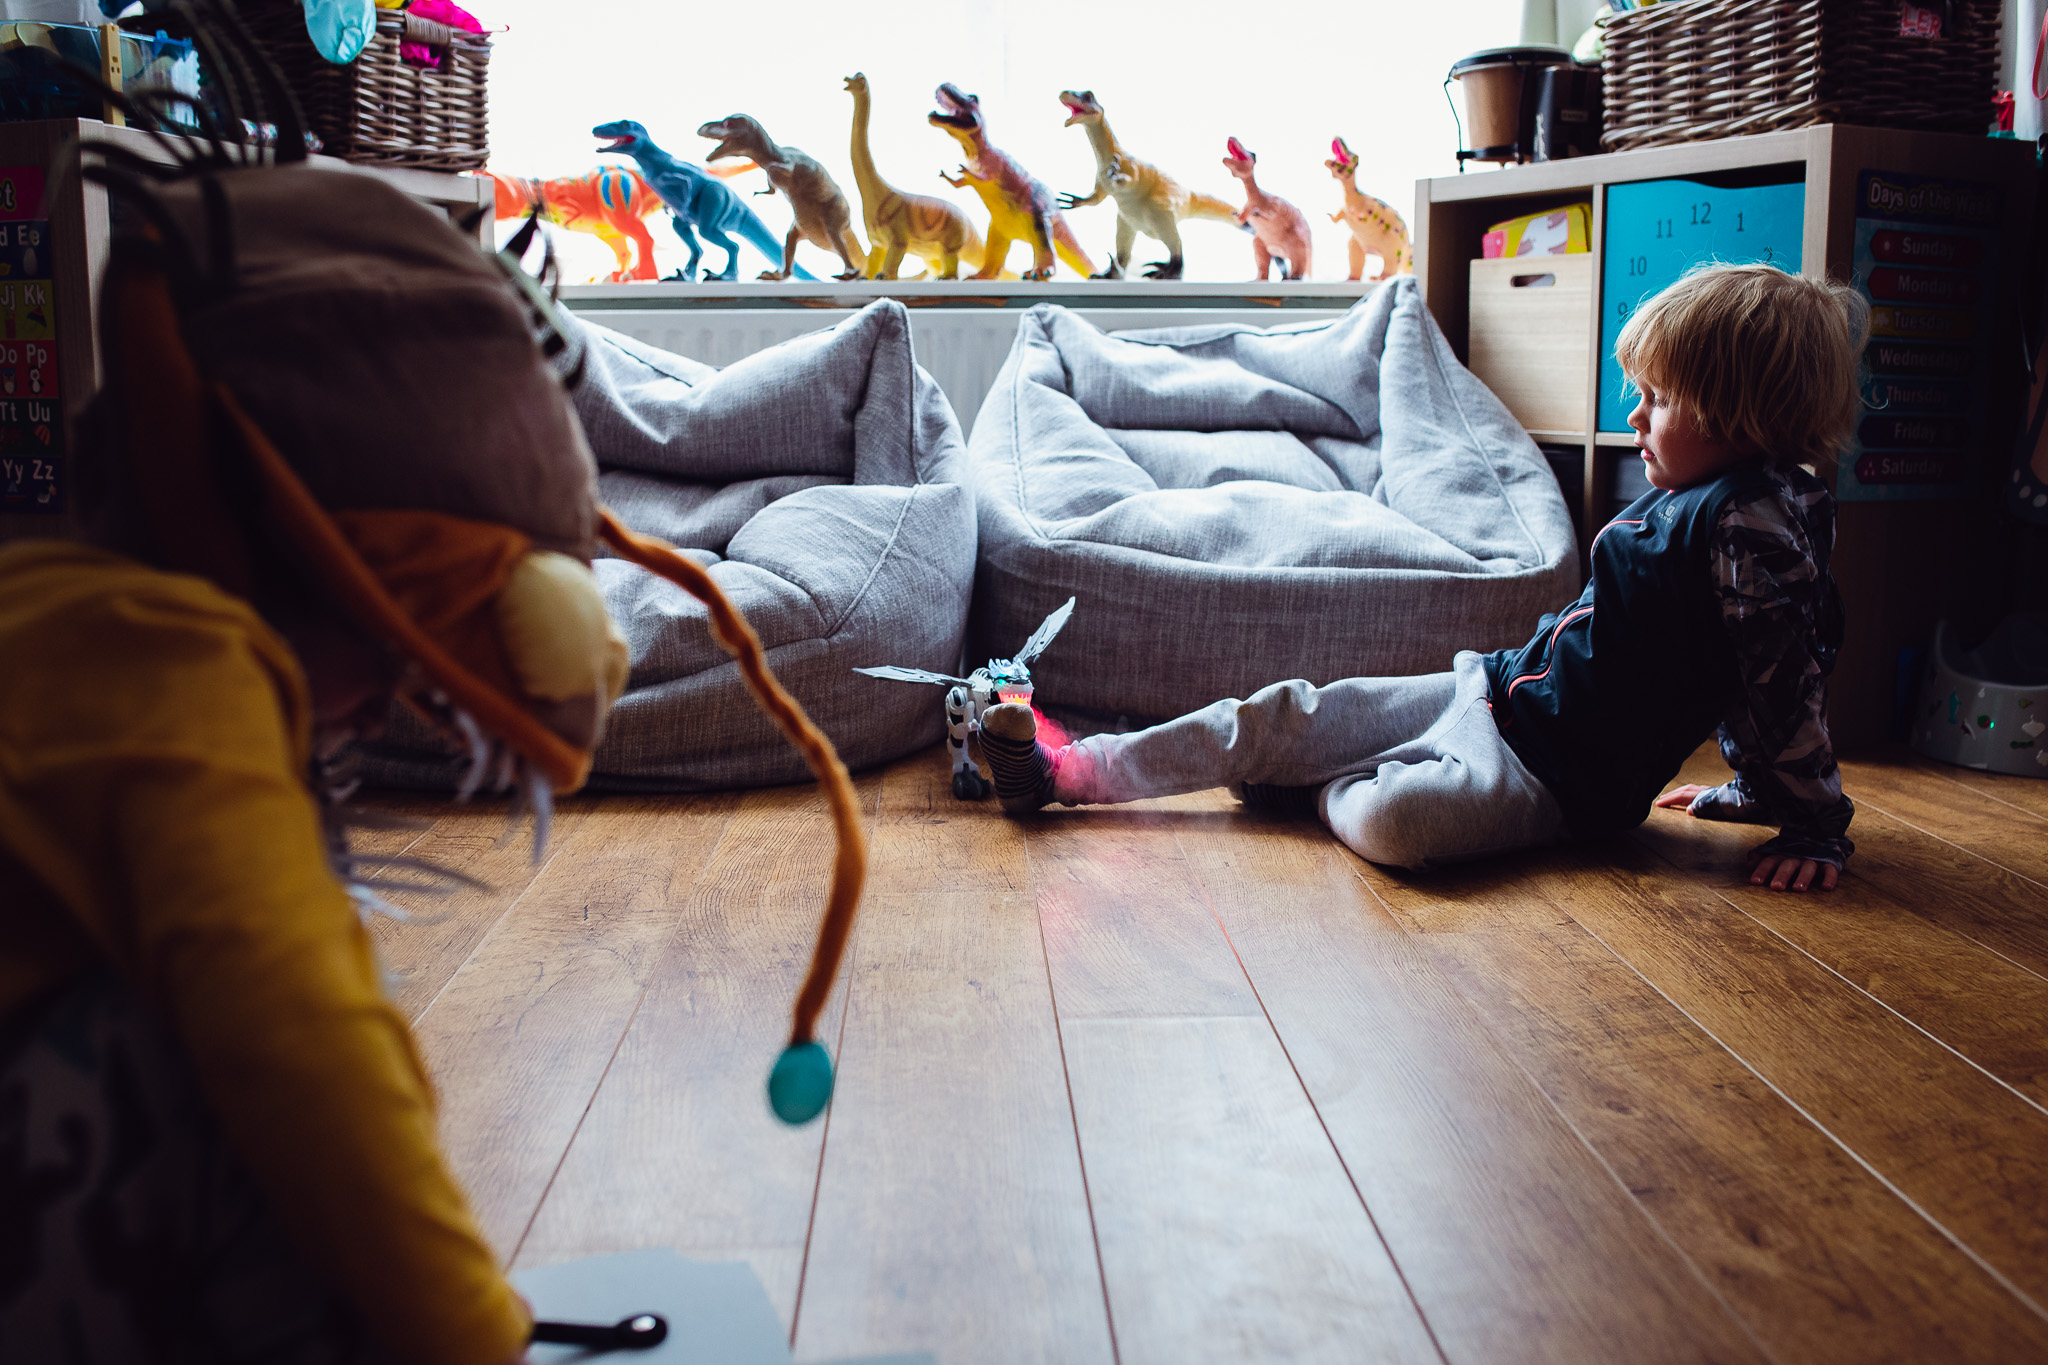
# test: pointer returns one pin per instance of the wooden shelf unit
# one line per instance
(78, 237)
(1898, 563)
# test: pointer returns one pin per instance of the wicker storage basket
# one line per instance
(1720, 68)
(380, 109)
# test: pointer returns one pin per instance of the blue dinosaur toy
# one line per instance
(696, 200)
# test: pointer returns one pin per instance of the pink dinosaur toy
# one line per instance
(1278, 228)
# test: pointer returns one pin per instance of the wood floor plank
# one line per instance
(1819, 1257)
(1516, 1241)
(2029, 794)
(520, 1038)
(1964, 1148)
(1985, 1006)
(422, 954)
(1989, 828)
(678, 1148)
(1127, 927)
(1932, 878)
(951, 1214)
(1228, 1229)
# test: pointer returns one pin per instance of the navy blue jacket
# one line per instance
(1614, 693)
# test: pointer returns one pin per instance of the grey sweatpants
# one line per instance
(1413, 770)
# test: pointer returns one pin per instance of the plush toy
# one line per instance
(1376, 229)
(440, 12)
(820, 208)
(695, 200)
(340, 29)
(1148, 200)
(609, 202)
(1279, 231)
(1019, 204)
(921, 225)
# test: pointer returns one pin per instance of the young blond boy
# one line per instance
(1709, 604)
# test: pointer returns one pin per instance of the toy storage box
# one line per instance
(1987, 708)
(1531, 338)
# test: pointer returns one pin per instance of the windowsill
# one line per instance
(1073, 293)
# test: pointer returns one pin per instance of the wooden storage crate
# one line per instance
(1701, 69)
(1531, 337)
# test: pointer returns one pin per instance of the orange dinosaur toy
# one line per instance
(1279, 230)
(609, 202)
(1375, 228)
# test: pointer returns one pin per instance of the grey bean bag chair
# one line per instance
(823, 483)
(1234, 506)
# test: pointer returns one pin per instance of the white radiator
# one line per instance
(962, 330)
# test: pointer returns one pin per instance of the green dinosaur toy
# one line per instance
(922, 225)
(1148, 200)
(1019, 205)
(822, 215)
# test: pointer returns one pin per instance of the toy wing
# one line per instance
(1042, 638)
(918, 675)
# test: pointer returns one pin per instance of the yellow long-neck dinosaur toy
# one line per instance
(1148, 200)
(898, 223)
(1375, 228)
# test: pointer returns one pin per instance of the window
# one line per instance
(1176, 80)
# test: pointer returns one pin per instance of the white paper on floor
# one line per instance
(718, 1311)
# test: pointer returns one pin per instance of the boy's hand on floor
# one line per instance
(1678, 798)
(1792, 874)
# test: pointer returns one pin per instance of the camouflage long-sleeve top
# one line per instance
(1769, 564)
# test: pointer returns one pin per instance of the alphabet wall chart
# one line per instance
(32, 474)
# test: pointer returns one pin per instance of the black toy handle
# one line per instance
(636, 1333)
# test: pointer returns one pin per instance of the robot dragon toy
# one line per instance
(1001, 680)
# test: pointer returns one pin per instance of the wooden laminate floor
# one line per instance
(1174, 1083)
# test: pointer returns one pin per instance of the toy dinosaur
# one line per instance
(1019, 205)
(922, 225)
(695, 200)
(1148, 200)
(1375, 228)
(1279, 230)
(822, 215)
(609, 202)
(999, 680)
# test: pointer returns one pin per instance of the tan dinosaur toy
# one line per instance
(1375, 228)
(1148, 200)
(820, 209)
(921, 225)
(1278, 228)
(1020, 207)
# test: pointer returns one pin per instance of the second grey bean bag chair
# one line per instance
(1235, 506)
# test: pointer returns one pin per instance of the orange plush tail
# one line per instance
(801, 1083)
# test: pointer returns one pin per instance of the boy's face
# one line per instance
(1676, 453)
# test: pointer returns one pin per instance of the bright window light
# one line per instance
(1175, 79)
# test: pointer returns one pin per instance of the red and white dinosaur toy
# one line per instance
(1279, 230)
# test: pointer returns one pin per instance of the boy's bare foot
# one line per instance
(1021, 766)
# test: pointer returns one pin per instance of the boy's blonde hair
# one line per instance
(1757, 358)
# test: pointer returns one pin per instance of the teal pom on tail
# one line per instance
(801, 1083)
